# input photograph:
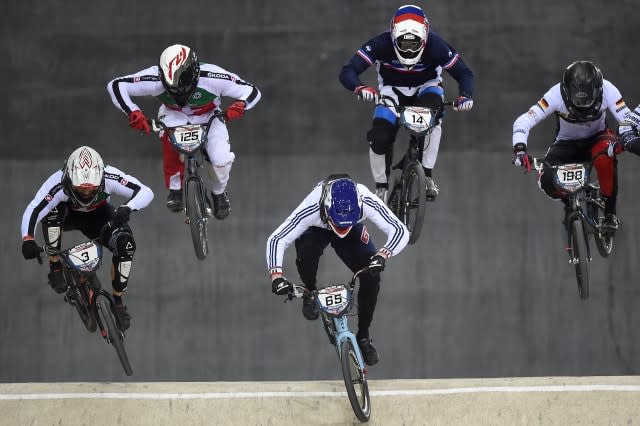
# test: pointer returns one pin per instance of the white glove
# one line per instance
(463, 104)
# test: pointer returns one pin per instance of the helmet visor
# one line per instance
(409, 45)
(583, 97)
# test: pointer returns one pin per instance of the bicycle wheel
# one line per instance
(579, 257)
(414, 195)
(595, 210)
(196, 212)
(78, 296)
(113, 335)
(395, 199)
(355, 381)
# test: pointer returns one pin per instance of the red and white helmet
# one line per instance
(409, 32)
(83, 177)
(179, 72)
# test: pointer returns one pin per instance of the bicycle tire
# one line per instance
(196, 212)
(595, 210)
(355, 381)
(414, 197)
(78, 296)
(580, 255)
(395, 199)
(114, 336)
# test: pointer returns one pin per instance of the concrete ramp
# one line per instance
(511, 401)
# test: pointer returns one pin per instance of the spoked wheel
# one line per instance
(603, 239)
(78, 296)
(196, 212)
(580, 257)
(113, 333)
(395, 200)
(355, 381)
(414, 195)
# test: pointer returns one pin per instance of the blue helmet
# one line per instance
(341, 205)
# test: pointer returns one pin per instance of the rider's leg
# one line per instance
(381, 137)
(355, 250)
(172, 168)
(52, 227)
(221, 157)
(431, 97)
(607, 169)
(123, 247)
(561, 152)
(309, 247)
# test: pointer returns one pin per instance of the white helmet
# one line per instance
(179, 72)
(409, 32)
(83, 177)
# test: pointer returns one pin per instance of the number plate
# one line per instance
(571, 177)
(334, 299)
(418, 119)
(187, 138)
(85, 257)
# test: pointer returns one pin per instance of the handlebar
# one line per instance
(159, 125)
(299, 290)
(389, 101)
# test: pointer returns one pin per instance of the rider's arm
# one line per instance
(48, 196)
(307, 214)
(364, 57)
(546, 106)
(216, 79)
(143, 83)
(386, 221)
(449, 59)
(116, 182)
(614, 102)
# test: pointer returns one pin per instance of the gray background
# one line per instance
(486, 292)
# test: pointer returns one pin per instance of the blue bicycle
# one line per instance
(334, 303)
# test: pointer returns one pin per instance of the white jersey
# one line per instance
(568, 129)
(307, 214)
(51, 194)
(213, 83)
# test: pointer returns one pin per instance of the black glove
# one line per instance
(121, 217)
(30, 249)
(281, 286)
(377, 263)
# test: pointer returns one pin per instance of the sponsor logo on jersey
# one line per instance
(197, 95)
(364, 236)
(48, 197)
(367, 48)
(136, 79)
(219, 75)
(124, 182)
(111, 176)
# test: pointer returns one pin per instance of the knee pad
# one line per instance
(52, 229)
(123, 246)
(381, 136)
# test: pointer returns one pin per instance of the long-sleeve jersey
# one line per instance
(307, 214)
(438, 55)
(569, 128)
(213, 83)
(51, 194)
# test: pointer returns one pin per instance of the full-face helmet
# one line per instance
(83, 176)
(581, 90)
(179, 72)
(341, 205)
(409, 32)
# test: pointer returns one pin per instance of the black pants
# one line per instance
(355, 250)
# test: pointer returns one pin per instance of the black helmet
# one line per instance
(581, 90)
(179, 72)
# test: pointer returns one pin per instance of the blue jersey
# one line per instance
(437, 55)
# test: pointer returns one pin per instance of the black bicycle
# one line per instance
(191, 140)
(583, 218)
(95, 306)
(407, 198)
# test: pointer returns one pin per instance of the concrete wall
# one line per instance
(486, 292)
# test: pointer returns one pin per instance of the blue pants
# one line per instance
(355, 250)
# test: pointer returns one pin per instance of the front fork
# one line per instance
(343, 333)
(191, 173)
(577, 215)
